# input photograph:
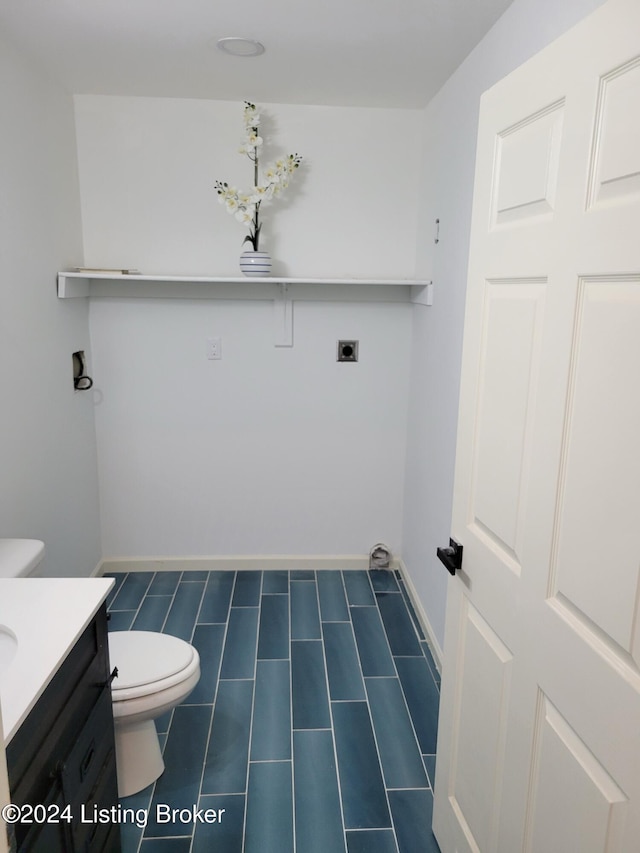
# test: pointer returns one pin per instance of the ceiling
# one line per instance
(387, 53)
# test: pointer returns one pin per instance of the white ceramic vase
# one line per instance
(255, 263)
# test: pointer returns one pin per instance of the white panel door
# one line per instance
(539, 745)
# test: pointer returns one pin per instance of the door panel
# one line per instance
(511, 327)
(592, 818)
(526, 167)
(616, 153)
(598, 523)
(480, 729)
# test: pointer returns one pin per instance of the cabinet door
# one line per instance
(46, 837)
(83, 764)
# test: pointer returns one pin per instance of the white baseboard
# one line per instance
(98, 571)
(434, 645)
(246, 562)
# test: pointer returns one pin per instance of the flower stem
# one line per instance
(256, 226)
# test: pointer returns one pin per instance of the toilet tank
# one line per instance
(20, 558)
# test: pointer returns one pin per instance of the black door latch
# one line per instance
(451, 557)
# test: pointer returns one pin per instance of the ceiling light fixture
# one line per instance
(240, 46)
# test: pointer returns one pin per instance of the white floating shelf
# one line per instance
(280, 290)
(74, 284)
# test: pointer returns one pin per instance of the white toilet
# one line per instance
(20, 558)
(156, 672)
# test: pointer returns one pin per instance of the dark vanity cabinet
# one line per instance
(61, 761)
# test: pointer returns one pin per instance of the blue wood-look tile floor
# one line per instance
(313, 726)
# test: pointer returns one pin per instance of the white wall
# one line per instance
(270, 450)
(147, 173)
(450, 126)
(48, 481)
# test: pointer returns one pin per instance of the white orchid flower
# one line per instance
(259, 193)
(251, 115)
(245, 206)
(245, 214)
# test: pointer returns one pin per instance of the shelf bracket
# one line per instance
(423, 294)
(283, 317)
(70, 286)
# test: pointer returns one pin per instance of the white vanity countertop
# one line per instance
(47, 616)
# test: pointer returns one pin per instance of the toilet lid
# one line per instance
(143, 657)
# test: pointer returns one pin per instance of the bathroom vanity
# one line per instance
(57, 715)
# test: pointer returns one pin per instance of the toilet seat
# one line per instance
(148, 663)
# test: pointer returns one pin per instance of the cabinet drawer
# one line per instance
(112, 843)
(48, 836)
(92, 834)
(84, 762)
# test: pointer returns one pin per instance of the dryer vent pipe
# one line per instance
(379, 557)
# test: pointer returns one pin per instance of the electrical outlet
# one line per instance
(347, 351)
(214, 349)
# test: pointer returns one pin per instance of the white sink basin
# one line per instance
(8, 647)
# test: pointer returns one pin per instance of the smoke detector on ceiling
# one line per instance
(240, 46)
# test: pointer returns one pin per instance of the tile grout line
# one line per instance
(332, 729)
(253, 707)
(164, 622)
(197, 616)
(397, 676)
(120, 588)
(192, 635)
(173, 598)
(193, 630)
(415, 623)
(153, 786)
(293, 770)
(214, 703)
(141, 601)
(373, 729)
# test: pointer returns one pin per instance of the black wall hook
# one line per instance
(81, 382)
